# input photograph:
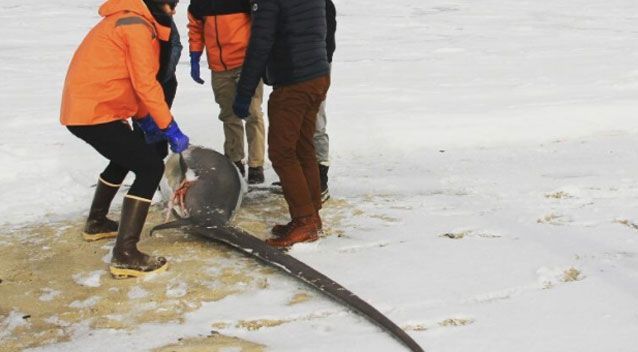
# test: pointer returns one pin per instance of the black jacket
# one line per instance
(331, 20)
(287, 44)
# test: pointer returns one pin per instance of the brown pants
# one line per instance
(292, 113)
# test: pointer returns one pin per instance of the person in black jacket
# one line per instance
(288, 49)
(321, 139)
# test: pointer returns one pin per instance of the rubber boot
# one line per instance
(301, 230)
(127, 260)
(98, 226)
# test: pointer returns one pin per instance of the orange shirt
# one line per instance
(112, 75)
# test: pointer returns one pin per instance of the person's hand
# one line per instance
(176, 139)
(241, 106)
(152, 133)
(195, 74)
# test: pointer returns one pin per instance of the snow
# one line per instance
(91, 279)
(488, 150)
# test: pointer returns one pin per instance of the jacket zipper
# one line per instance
(219, 45)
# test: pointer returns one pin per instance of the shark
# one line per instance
(205, 189)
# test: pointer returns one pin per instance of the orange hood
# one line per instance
(111, 7)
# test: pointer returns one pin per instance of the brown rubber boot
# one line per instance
(282, 230)
(127, 260)
(301, 230)
(98, 226)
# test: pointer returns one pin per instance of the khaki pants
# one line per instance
(225, 88)
(292, 113)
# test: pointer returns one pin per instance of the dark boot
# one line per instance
(301, 230)
(98, 226)
(241, 168)
(323, 182)
(255, 175)
(127, 260)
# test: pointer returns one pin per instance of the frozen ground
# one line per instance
(484, 180)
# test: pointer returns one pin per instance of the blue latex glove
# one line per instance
(176, 139)
(152, 133)
(241, 106)
(195, 74)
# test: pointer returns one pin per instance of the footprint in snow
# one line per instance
(469, 233)
(632, 225)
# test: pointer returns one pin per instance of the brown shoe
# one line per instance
(280, 230)
(301, 230)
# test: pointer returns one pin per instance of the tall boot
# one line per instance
(127, 260)
(98, 226)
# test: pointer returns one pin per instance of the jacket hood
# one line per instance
(111, 7)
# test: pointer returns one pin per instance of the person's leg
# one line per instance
(98, 226)
(224, 89)
(286, 108)
(322, 150)
(124, 147)
(292, 114)
(255, 135)
(306, 153)
(321, 139)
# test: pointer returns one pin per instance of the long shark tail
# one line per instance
(251, 245)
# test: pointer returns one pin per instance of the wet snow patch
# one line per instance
(91, 279)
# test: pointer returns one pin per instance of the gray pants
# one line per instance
(320, 139)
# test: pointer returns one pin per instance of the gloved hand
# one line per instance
(195, 74)
(152, 133)
(241, 106)
(177, 140)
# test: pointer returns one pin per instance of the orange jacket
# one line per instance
(113, 73)
(223, 28)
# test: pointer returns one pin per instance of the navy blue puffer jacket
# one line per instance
(287, 44)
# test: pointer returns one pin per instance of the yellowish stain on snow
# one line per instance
(572, 274)
(55, 279)
(212, 343)
(299, 298)
(252, 325)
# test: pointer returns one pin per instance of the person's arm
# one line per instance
(195, 31)
(196, 43)
(174, 53)
(142, 65)
(265, 17)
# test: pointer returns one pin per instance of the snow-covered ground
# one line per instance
(489, 149)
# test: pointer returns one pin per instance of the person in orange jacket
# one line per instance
(222, 28)
(112, 77)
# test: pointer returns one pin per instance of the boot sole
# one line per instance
(98, 236)
(120, 273)
(276, 245)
